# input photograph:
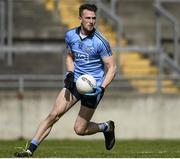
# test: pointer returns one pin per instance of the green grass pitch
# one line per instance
(96, 149)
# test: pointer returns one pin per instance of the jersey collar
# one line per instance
(89, 36)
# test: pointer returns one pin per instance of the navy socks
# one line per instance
(33, 145)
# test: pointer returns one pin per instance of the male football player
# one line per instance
(88, 52)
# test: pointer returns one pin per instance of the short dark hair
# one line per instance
(91, 7)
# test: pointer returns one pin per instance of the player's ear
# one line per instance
(80, 19)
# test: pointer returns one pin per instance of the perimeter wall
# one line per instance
(135, 116)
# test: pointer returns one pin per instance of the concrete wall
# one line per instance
(136, 116)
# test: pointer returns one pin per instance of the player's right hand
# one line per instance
(69, 80)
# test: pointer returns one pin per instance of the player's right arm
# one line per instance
(69, 80)
(70, 62)
(69, 54)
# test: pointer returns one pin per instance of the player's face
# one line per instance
(88, 21)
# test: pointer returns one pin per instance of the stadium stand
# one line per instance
(139, 26)
(33, 24)
(65, 6)
(45, 21)
(133, 64)
(33, 21)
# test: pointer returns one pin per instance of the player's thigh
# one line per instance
(84, 116)
(64, 101)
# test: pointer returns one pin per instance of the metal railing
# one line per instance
(6, 27)
(2, 27)
(32, 81)
(162, 12)
(8, 47)
(111, 17)
(24, 82)
(35, 48)
(163, 59)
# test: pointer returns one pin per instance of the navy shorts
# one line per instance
(87, 101)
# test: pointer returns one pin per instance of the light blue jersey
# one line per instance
(88, 53)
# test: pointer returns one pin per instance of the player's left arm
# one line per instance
(110, 65)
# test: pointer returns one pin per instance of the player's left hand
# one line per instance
(97, 90)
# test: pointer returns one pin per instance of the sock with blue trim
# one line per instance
(104, 127)
(33, 146)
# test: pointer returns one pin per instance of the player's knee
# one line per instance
(79, 130)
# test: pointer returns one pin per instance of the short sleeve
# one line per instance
(67, 41)
(104, 49)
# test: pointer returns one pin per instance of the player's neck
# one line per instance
(84, 32)
(82, 35)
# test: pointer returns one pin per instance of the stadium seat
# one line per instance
(33, 25)
(50, 5)
(133, 64)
